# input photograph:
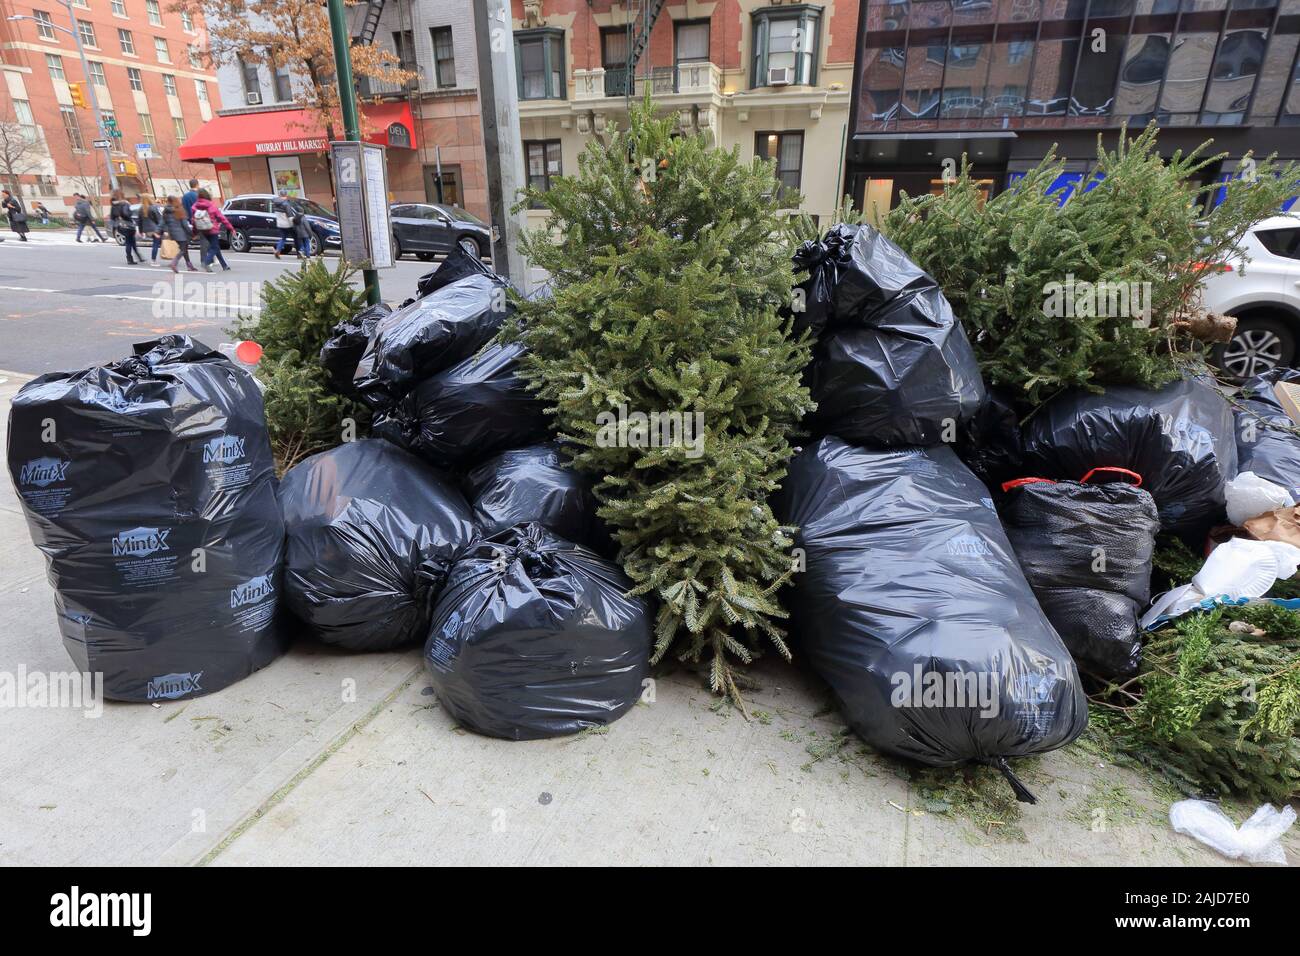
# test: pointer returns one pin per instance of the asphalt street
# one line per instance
(67, 306)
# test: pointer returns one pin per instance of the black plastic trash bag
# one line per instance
(431, 334)
(913, 608)
(892, 365)
(1266, 443)
(535, 484)
(468, 412)
(990, 443)
(458, 265)
(149, 486)
(1086, 550)
(372, 533)
(1178, 438)
(533, 638)
(341, 355)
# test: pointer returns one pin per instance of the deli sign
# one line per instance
(292, 146)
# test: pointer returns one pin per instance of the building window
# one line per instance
(154, 12)
(283, 84)
(118, 7)
(542, 156)
(252, 82)
(87, 31)
(133, 77)
(84, 4)
(97, 73)
(785, 45)
(187, 21)
(26, 121)
(169, 84)
(44, 25)
(613, 59)
(192, 52)
(691, 41)
(178, 127)
(539, 58)
(201, 90)
(146, 129)
(72, 128)
(404, 47)
(444, 57)
(160, 48)
(128, 42)
(787, 149)
(55, 63)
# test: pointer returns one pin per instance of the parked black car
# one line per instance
(432, 230)
(254, 223)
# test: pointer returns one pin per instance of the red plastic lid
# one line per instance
(248, 352)
(1137, 479)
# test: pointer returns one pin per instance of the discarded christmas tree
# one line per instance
(666, 365)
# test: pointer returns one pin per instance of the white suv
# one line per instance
(1264, 295)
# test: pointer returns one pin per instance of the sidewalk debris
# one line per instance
(1255, 841)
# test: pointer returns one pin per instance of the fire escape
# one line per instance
(640, 24)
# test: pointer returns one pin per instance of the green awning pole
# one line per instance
(348, 104)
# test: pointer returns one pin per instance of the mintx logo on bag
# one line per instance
(968, 546)
(141, 542)
(133, 910)
(226, 449)
(43, 472)
(251, 590)
(171, 686)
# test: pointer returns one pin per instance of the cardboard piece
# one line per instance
(1280, 525)
(1288, 396)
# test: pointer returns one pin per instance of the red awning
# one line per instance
(282, 132)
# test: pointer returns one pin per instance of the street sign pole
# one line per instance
(94, 100)
(348, 104)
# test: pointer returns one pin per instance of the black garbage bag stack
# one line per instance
(342, 354)
(1266, 443)
(914, 609)
(149, 486)
(533, 637)
(1178, 438)
(478, 407)
(372, 534)
(534, 484)
(1086, 550)
(892, 365)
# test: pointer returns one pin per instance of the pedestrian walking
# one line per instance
(42, 213)
(190, 197)
(150, 218)
(13, 207)
(207, 219)
(176, 229)
(124, 223)
(285, 214)
(84, 215)
(303, 234)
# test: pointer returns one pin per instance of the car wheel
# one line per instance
(424, 256)
(1259, 345)
(119, 238)
(470, 247)
(313, 245)
(397, 248)
(239, 241)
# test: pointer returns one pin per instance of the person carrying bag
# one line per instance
(13, 207)
(124, 225)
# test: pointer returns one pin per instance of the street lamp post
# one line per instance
(101, 132)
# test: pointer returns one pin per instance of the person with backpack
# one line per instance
(176, 227)
(285, 221)
(84, 215)
(207, 219)
(13, 207)
(124, 224)
(151, 225)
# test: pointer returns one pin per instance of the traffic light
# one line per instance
(78, 93)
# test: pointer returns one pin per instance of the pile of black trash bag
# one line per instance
(891, 364)
(913, 608)
(149, 486)
(1086, 550)
(1267, 443)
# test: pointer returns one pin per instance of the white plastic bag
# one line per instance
(1249, 496)
(1238, 568)
(1257, 840)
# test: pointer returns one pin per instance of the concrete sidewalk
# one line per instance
(292, 767)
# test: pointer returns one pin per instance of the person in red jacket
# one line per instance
(207, 219)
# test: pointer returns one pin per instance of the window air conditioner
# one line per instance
(780, 76)
(254, 99)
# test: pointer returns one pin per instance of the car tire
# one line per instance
(1260, 344)
(239, 241)
(470, 247)
(119, 238)
(397, 249)
(313, 245)
(424, 256)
